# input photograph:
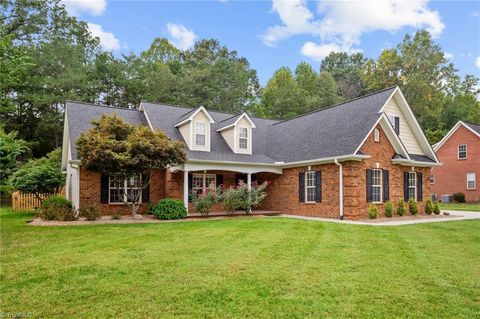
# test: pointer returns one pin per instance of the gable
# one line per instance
(407, 136)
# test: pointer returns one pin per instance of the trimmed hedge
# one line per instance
(388, 209)
(373, 212)
(170, 209)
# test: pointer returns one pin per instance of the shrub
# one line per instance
(412, 207)
(459, 197)
(401, 208)
(89, 212)
(204, 202)
(56, 208)
(232, 199)
(373, 212)
(117, 216)
(436, 208)
(388, 209)
(170, 209)
(428, 207)
(251, 199)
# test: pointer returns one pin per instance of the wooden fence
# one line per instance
(24, 201)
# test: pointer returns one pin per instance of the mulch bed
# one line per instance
(405, 217)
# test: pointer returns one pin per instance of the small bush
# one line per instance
(117, 216)
(232, 200)
(149, 210)
(373, 212)
(436, 208)
(170, 209)
(89, 212)
(412, 207)
(428, 207)
(204, 202)
(56, 208)
(459, 197)
(401, 208)
(388, 209)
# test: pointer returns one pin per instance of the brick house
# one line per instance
(459, 152)
(333, 162)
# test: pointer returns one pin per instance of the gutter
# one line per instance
(414, 163)
(340, 186)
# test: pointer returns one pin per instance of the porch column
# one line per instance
(185, 189)
(249, 185)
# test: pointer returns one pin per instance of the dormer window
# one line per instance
(243, 138)
(200, 133)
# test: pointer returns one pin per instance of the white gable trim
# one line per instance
(66, 151)
(200, 109)
(140, 108)
(244, 115)
(391, 135)
(437, 146)
(413, 123)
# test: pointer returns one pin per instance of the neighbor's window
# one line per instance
(377, 185)
(412, 185)
(243, 138)
(117, 187)
(200, 182)
(376, 135)
(462, 151)
(200, 133)
(310, 187)
(432, 179)
(471, 181)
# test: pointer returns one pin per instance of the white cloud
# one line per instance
(475, 14)
(319, 51)
(448, 55)
(107, 39)
(181, 37)
(477, 62)
(93, 7)
(342, 24)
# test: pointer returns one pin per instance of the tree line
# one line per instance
(48, 57)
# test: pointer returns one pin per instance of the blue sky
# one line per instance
(271, 34)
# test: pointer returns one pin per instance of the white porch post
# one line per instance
(249, 185)
(185, 189)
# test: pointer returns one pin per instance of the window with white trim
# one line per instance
(432, 179)
(376, 185)
(471, 182)
(310, 187)
(200, 133)
(117, 187)
(243, 138)
(376, 135)
(462, 151)
(412, 185)
(202, 182)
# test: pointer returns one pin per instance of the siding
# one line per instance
(185, 131)
(406, 134)
(201, 117)
(244, 123)
(229, 136)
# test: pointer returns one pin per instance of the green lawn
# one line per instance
(461, 206)
(245, 267)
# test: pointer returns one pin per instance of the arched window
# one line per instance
(376, 135)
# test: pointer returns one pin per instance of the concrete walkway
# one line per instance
(454, 215)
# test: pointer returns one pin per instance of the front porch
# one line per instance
(196, 177)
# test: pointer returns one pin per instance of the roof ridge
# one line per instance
(471, 123)
(335, 105)
(102, 105)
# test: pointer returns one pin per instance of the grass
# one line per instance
(244, 267)
(461, 206)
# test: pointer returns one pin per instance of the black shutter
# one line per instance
(219, 179)
(318, 186)
(104, 189)
(301, 187)
(419, 187)
(190, 181)
(369, 186)
(405, 186)
(397, 125)
(386, 189)
(146, 190)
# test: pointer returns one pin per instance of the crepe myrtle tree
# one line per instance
(125, 152)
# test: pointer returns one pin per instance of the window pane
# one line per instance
(462, 151)
(243, 132)
(200, 139)
(311, 194)
(376, 194)
(243, 143)
(310, 178)
(200, 128)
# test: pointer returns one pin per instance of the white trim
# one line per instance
(415, 185)
(389, 131)
(66, 150)
(125, 190)
(416, 129)
(244, 114)
(232, 167)
(381, 185)
(307, 187)
(405, 162)
(437, 146)
(458, 152)
(326, 160)
(201, 108)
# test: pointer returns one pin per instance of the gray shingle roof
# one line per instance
(473, 126)
(80, 116)
(421, 158)
(329, 132)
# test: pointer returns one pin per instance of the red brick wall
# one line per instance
(90, 192)
(451, 177)
(283, 191)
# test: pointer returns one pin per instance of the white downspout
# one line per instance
(340, 187)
